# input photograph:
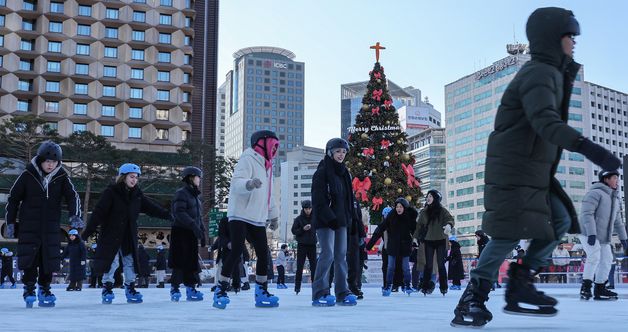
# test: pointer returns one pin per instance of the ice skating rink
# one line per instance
(82, 311)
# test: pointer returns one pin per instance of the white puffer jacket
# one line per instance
(600, 214)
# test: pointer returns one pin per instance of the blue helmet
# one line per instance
(129, 168)
(94, 246)
(73, 232)
(4, 250)
(386, 211)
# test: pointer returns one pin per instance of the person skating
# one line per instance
(144, 264)
(282, 260)
(76, 252)
(94, 279)
(561, 260)
(600, 217)
(116, 214)
(160, 266)
(436, 223)
(251, 205)
(7, 267)
(35, 199)
(187, 231)
(334, 217)
(522, 198)
(305, 236)
(400, 225)
(481, 240)
(456, 269)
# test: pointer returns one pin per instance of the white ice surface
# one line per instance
(82, 311)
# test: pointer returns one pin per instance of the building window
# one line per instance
(54, 66)
(111, 33)
(81, 69)
(80, 109)
(54, 46)
(3, 3)
(167, 3)
(84, 30)
(23, 105)
(28, 25)
(1, 61)
(186, 97)
(188, 22)
(109, 91)
(184, 135)
(51, 107)
(163, 95)
(137, 55)
(188, 4)
(135, 113)
(165, 38)
(56, 27)
(106, 131)
(26, 65)
(112, 13)
(139, 16)
(27, 45)
(139, 1)
(51, 126)
(137, 35)
(82, 49)
(56, 7)
(84, 10)
(111, 52)
(186, 116)
(52, 86)
(137, 74)
(135, 132)
(2, 19)
(80, 89)
(187, 41)
(186, 78)
(79, 127)
(137, 93)
(162, 114)
(1, 41)
(107, 110)
(187, 59)
(29, 5)
(164, 57)
(165, 19)
(162, 133)
(110, 71)
(163, 76)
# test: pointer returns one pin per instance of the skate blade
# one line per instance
(219, 305)
(530, 313)
(134, 301)
(46, 304)
(466, 324)
(266, 305)
(606, 299)
(323, 304)
(194, 299)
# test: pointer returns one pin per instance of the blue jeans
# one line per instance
(127, 269)
(333, 251)
(405, 266)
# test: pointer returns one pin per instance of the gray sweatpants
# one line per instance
(333, 245)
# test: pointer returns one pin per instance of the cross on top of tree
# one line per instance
(377, 48)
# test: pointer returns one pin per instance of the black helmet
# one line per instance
(403, 202)
(49, 150)
(262, 134)
(191, 170)
(336, 143)
(436, 194)
(306, 204)
(606, 174)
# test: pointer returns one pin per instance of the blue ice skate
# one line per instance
(175, 294)
(349, 300)
(45, 298)
(408, 290)
(325, 301)
(386, 291)
(454, 287)
(221, 299)
(132, 296)
(29, 295)
(264, 299)
(13, 286)
(191, 294)
(107, 293)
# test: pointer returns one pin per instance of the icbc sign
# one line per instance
(280, 65)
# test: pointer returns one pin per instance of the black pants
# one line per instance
(309, 252)
(95, 280)
(384, 265)
(240, 231)
(281, 270)
(36, 273)
(185, 277)
(440, 248)
(7, 273)
(354, 274)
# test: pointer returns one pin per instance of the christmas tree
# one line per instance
(382, 169)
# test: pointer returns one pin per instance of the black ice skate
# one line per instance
(471, 311)
(585, 290)
(428, 287)
(601, 293)
(521, 289)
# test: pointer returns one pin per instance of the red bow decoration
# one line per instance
(377, 94)
(377, 202)
(387, 103)
(377, 75)
(368, 152)
(411, 180)
(375, 110)
(385, 143)
(360, 188)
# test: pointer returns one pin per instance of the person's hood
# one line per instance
(545, 29)
(602, 186)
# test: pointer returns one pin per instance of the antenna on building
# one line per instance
(514, 34)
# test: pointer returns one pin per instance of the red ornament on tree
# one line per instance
(375, 110)
(411, 180)
(360, 188)
(377, 75)
(385, 143)
(377, 94)
(387, 103)
(368, 152)
(377, 202)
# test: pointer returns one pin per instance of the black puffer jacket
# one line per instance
(116, 213)
(38, 209)
(77, 253)
(187, 230)
(400, 229)
(456, 269)
(302, 236)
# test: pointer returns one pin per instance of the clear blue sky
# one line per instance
(429, 43)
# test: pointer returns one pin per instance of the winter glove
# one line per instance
(447, 229)
(598, 155)
(77, 222)
(333, 224)
(591, 240)
(10, 231)
(253, 184)
(307, 227)
(274, 223)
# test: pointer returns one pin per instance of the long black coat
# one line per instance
(160, 262)
(530, 133)
(144, 262)
(7, 264)
(332, 197)
(187, 230)
(302, 236)
(77, 253)
(116, 213)
(39, 213)
(456, 269)
(400, 229)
